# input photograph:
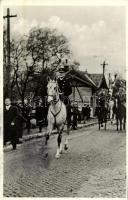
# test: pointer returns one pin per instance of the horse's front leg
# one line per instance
(49, 131)
(117, 123)
(124, 123)
(59, 141)
(59, 148)
(121, 124)
(99, 123)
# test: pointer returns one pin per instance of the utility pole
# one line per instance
(104, 64)
(8, 16)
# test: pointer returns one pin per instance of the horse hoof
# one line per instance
(45, 155)
(57, 156)
(61, 151)
(65, 147)
(47, 137)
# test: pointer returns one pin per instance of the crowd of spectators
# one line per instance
(18, 118)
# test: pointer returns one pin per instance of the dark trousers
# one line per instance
(14, 136)
(40, 124)
(74, 125)
(11, 134)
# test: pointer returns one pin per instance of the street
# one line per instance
(93, 166)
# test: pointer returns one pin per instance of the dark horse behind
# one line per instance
(102, 114)
(120, 112)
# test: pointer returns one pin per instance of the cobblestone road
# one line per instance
(94, 166)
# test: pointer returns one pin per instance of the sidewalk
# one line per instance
(34, 133)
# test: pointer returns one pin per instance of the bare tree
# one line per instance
(48, 46)
(33, 58)
(22, 67)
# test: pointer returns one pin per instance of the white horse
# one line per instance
(56, 115)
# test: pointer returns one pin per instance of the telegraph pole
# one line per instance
(104, 64)
(8, 16)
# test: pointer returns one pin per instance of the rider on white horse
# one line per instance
(56, 114)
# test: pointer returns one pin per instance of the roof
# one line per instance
(81, 77)
(96, 78)
(103, 83)
(99, 80)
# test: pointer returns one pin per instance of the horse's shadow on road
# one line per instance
(45, 155)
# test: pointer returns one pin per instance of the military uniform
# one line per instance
(65, 89)
(64, 86)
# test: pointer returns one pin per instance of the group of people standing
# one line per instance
(17, 117)
(76, 114)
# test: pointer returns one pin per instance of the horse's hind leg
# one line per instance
(124, 123)
(66, 139)
(66, 143)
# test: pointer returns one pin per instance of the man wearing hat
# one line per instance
(64, 82)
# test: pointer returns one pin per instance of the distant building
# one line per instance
(99, 80)
(83, 88)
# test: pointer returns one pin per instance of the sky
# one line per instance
(94, 33)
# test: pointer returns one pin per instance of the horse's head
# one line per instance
(52, 90)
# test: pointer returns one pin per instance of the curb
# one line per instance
(39, 135)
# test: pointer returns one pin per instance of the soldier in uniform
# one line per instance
(64, 83)
(65, 90)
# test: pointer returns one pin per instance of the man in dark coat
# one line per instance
(88, 112)
(84, 112)
(26, 114)
(75, 115)
(11, 125)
